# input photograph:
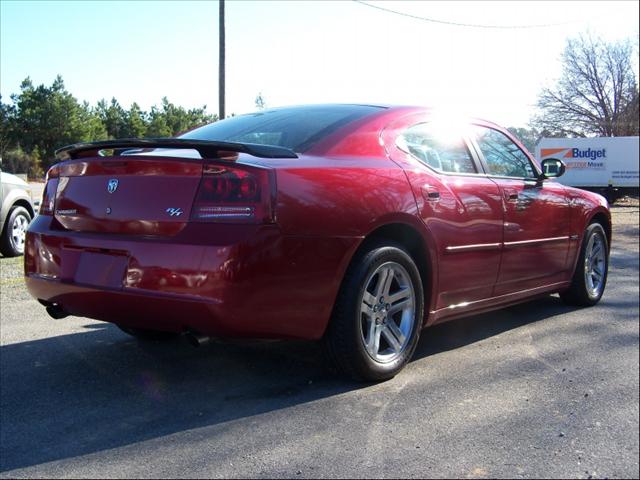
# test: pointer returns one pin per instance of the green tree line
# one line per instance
(40, 119)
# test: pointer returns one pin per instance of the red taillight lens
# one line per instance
(49, 194)
(234, 195)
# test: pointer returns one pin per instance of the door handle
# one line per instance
(511, 195)
(430, 194)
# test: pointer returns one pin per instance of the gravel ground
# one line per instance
(536, 390)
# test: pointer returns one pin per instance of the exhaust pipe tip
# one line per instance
(197, 339)
(56, 312)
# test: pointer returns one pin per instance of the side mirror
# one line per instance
(552, 168)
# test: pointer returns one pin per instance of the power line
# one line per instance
(457, 24)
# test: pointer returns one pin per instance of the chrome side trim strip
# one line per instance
(469, 248)
(496, 246)
(536, 241)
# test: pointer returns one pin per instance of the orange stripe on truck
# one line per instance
(545, 152)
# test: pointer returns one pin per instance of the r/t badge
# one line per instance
(174, 212)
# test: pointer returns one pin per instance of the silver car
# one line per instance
(16, 212)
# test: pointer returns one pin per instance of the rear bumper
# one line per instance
(220, 280)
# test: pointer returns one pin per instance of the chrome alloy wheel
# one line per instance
(387, 312)
(19, 231)
(595, 265)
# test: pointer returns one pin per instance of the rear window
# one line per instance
(296, 128)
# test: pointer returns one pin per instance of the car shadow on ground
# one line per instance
(62, 397)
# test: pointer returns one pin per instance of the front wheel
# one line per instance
(378, 315)
(590, 277)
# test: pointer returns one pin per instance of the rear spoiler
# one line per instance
(206, 148)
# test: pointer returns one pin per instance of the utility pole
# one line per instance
(221, 61)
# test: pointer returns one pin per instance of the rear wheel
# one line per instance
(14, 232)
(590, 277)
(378, 315)
(144, 334)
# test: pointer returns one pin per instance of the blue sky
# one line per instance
(301, 51)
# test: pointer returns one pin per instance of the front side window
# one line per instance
(442, 149)
(503, 157)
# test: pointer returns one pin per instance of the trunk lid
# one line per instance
(134, 195)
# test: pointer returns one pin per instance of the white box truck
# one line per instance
(607, 165)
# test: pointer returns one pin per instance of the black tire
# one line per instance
(578, 293)
(8, 246)
(343, 340)
(148, 335)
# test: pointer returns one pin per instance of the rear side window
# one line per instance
(296, 128)
(437, 147)
(503, 157)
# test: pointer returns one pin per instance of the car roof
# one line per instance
(388, 109)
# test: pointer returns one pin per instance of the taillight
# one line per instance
(49, 194)
(234, 195)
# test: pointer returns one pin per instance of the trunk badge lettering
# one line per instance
(174, 212)
(112, 185)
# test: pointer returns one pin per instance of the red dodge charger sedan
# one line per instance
(357, 225)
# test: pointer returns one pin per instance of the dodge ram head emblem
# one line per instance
(112, 185)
